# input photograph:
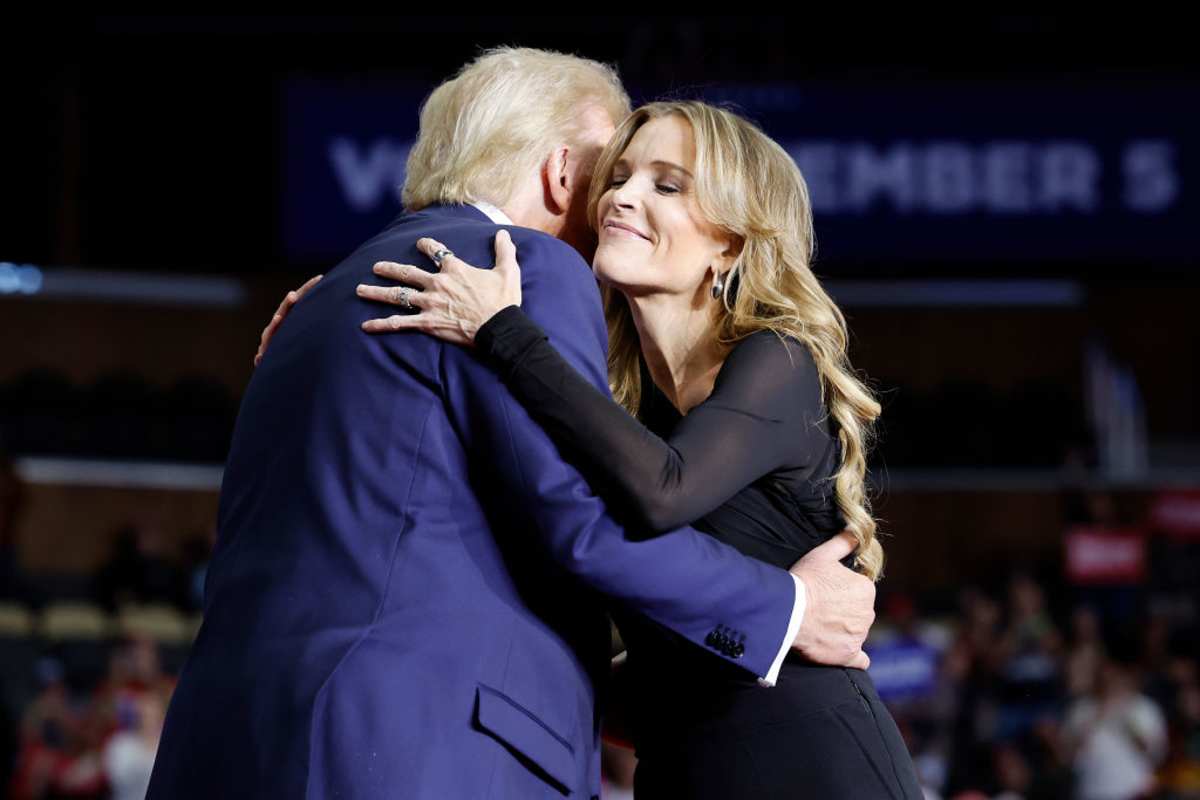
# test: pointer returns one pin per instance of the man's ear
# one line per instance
(558, 180)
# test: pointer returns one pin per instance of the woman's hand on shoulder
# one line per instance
(289, 300)
(451, 304)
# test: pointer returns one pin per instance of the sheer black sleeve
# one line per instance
(765, 413)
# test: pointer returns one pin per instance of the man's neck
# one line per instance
(580, 237)
(527, 208)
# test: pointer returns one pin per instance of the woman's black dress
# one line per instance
(751, 466)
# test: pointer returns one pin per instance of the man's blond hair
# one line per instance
(486, 129)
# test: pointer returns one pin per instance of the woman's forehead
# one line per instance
(666, 139)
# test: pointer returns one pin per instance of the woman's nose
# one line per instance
(625, 195)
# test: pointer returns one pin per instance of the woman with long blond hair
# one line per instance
(736, 411)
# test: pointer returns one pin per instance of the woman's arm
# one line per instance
(764, 413)
(289, 300)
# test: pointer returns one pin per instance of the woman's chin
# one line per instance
(614, 269)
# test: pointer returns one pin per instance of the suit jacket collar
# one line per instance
(461, 212)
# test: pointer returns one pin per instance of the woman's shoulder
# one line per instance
(786, 387)
(779, 357)
(773, 376)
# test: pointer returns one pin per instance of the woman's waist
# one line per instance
(670, 709)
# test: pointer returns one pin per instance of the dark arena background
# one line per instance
(1007, 211)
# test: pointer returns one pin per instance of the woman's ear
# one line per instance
(734, 245)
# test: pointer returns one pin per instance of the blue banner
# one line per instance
(925, 176)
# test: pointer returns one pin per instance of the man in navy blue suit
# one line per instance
(407, 598)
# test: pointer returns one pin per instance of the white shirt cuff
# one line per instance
(793, 628)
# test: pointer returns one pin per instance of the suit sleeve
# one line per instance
(740, 608)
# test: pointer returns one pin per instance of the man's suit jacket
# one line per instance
(404, 599)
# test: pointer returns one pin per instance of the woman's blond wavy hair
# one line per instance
(749, 186)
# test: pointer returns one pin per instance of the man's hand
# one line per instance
(840, 607)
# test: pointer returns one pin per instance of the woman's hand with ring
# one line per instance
(450, 304)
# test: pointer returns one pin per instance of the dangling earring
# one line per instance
(718, 287)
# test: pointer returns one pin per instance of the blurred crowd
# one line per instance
(88, 662)
(1055, 683)
(93, 741)
(1009, 700)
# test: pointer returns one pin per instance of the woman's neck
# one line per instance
(679, 342)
